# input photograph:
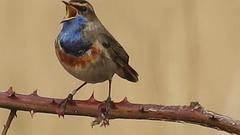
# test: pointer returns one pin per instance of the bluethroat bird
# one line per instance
(88, 51)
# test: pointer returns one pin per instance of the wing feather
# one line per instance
(120, 56)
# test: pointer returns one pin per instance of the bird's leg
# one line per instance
(108, 101)
(64, 102)
(104, 107)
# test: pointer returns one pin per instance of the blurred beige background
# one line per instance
(184, 50)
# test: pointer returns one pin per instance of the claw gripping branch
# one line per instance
(193, 113)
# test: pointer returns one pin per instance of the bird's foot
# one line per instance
(100, 120)
(63, 104)
(103, 119)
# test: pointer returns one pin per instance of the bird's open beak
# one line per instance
(71, 12)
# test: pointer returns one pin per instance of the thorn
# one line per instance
(12, 95)
(125, 101)
(10, 90)
(34, 93)
(15, 113)
(92, 98)
(60, 113)
(32, 112)
(195, 106)
(53, 102)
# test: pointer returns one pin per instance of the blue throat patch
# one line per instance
(71, 38)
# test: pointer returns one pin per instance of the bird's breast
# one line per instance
(83, 61)
(92, 67)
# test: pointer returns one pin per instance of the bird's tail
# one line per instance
(128, 73)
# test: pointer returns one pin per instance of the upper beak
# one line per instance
(71, 12)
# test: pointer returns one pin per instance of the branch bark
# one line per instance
(193, 113)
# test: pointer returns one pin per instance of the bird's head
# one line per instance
(76, 8)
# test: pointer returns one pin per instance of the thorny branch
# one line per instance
(193, 113)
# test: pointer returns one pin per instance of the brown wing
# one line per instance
(120, 56)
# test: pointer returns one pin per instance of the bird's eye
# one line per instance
(83, 9)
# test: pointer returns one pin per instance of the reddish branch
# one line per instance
(194, 113)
